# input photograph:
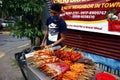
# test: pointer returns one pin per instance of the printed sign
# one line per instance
(101, 16)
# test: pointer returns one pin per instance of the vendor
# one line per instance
(56, 28)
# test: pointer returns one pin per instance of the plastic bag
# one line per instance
(55, 69)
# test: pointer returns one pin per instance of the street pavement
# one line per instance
(8, 47)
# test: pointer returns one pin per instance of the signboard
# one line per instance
(101, 16)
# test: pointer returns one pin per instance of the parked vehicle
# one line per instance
(1, 27)
(5, 23)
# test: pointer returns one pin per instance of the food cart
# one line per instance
(33, 72)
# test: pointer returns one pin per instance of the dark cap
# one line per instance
(56, 7)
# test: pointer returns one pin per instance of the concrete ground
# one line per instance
(9, 69)
(8, 47)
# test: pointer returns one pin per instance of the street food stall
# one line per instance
(93, 31)
(60, 64)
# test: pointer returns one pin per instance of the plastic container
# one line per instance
(105, 76)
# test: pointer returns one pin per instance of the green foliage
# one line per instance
(111, 11)
(28, 17)
(26, 30)
(18, 7)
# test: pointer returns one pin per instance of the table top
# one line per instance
(40, 75)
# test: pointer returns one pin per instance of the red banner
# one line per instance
(81, 14)
(114, 25)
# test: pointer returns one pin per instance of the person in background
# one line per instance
(56, 28)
